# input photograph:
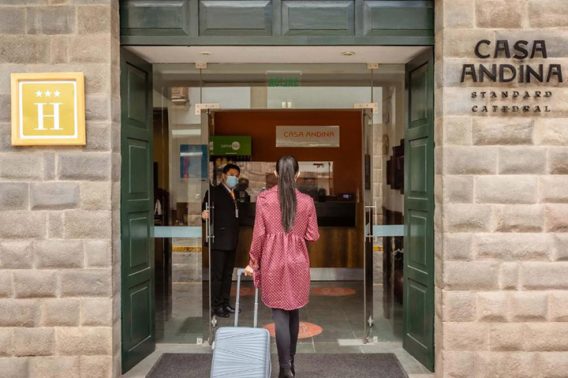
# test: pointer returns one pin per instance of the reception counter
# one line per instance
(330, 213)
(340, 244)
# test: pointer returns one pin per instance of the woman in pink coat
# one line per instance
(285, 220)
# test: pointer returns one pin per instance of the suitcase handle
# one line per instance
(240, 272)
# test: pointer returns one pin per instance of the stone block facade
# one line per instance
(501, 201)
(501, 191)
(58, 224)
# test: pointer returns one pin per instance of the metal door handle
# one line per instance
(211, 236)
(369, 208)
(207, 223)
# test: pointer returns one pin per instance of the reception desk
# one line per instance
(340, 244)
(330, 213)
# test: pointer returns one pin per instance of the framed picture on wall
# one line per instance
(193, 161)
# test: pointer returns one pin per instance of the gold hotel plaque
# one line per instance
(48, 109)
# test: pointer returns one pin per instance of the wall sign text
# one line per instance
(511, 63)
(307, 136)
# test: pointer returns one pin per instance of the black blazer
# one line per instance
(224, 220)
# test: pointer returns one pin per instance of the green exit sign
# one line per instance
(284, 82)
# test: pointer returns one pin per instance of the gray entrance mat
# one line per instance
(308, 365)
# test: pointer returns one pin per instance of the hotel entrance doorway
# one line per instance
(361, 291)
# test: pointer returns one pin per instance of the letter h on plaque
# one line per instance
(48, 109)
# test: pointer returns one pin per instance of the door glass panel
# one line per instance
(385, 209)
(180, 182)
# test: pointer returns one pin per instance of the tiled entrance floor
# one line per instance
(337, 307)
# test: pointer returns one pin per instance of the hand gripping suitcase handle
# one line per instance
(240, 272)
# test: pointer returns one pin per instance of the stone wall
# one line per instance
(501, 202)
(59, 206)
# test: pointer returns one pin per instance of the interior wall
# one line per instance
(261, 126)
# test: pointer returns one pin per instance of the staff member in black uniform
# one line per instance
(226, 232)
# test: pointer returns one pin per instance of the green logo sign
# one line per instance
(230, 146)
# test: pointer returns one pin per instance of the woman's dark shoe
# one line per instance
(285, 373)
(220, 312)
(230, 309)
(292, 366)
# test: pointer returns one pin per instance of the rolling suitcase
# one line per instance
(241, 352)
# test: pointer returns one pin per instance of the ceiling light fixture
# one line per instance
(205, 52)
(348, 53)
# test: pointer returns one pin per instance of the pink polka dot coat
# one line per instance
(280, 260)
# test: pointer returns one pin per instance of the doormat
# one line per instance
(312, 365)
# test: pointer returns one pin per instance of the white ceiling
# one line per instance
(277, 54)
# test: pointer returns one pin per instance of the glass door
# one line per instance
(208, 233)
(383, 240)
(181, 156)
(370, 212)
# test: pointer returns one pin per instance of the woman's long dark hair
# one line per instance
(287, 169)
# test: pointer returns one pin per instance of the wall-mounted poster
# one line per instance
(193, 161)
(48, 109)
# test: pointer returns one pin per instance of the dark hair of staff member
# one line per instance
(226, 231)
(278, 259)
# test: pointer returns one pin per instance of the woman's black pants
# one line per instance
(287, 324)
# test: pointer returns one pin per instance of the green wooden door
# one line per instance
(136, 210)
(418, 336)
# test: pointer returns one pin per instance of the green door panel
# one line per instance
(418, 80)
(417, 330)
(318, 17)
(156, 17)
(418, 178)
(418, 334)
(138, 160)
(136, 95)
(140, 328)
(418, 224)
(242, 17)
(139, 241)
(136, 211)
(398, 17)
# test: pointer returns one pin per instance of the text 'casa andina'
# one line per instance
(505, 72)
